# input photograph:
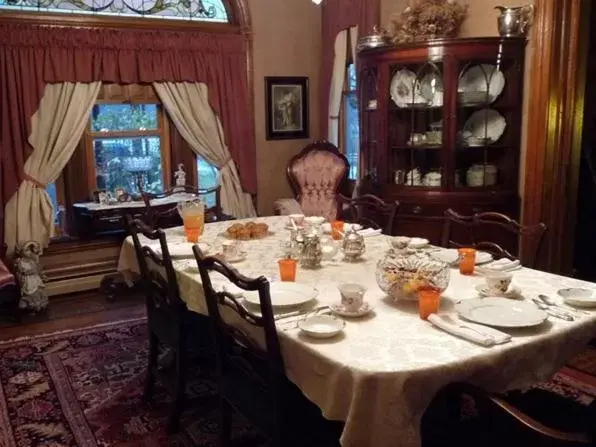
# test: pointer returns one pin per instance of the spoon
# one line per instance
(550, 302)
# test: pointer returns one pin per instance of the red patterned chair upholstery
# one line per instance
(316, 175)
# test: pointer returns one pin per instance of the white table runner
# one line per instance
(382, 372)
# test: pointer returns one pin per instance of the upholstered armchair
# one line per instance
(316, 175)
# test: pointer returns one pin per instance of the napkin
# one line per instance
(475, 333)
(367, 232)
(503, 265)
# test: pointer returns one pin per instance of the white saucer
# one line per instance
(321, 326)
(340, 310)
(512, 292)
(577, 296)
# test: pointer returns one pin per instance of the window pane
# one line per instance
(352, 133)
(119, 117)
(118, 161)
(51, 190)
(208, 176)
(352, 84)
(193, 10)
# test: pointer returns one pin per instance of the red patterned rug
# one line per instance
(84, 388)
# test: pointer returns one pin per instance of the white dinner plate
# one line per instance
(321, 326)
(285, 294)
(482, 78)
(451, 256)
(501, 312)
(405, 90)
(486, 125)
(181, 250)
(579, 297)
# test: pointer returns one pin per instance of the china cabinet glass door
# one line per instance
(415, 125)
(486, 153)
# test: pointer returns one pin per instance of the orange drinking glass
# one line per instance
(193, 227)
(287, 269)
(428, 301)
(467, 260)
(337, 228)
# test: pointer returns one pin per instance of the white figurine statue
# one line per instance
(180, 176)
(30, 276)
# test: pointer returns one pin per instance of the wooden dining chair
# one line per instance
(536, 418)
(369, 211)
(169, 217)
(490, 231)
(171, 326)
(251, 375)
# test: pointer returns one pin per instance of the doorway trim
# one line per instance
(553, 137)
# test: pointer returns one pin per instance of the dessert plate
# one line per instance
(501, 312)
(321, 326)
(577, 296)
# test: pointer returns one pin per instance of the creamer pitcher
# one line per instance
(513, 21)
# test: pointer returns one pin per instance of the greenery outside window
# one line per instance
(125, 141)
(349, 139)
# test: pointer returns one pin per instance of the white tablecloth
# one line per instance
(382, 372)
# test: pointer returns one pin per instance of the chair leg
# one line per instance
(225, 423)
(179, 393)
(152, 364)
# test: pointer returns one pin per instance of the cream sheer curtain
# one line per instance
(337, 85)
(56, 129)
(338, 78)
(187, 103)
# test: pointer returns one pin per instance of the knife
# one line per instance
(550, 302)
(553, 312)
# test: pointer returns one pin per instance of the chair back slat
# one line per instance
(480, 226)
(158, 277)
(368, 210)
(231, 338)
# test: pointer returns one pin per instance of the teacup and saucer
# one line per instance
(233, 251)
(352, 301)
(498, 284)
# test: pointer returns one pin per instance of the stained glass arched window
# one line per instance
(189, 10)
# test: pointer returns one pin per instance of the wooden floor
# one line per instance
(73, 311)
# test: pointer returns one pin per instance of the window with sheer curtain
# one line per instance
(349, 138)
(129, 133)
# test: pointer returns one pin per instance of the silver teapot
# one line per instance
(312, 253)
(353, 245)
(513, 22)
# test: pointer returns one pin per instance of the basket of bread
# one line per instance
(247, 231)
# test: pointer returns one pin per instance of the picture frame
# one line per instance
(286, 105)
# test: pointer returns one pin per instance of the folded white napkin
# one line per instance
(482, 335)
(367, 232)
(504, 265)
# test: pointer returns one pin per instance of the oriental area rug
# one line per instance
(84, 387)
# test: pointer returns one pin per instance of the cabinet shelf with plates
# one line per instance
(445, 116)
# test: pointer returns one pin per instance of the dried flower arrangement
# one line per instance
(428, 19)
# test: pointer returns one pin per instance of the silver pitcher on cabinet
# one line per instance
(514, 21)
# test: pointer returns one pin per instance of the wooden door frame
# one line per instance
(553, 137)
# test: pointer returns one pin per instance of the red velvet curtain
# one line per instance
(31, 56)
(337, 16)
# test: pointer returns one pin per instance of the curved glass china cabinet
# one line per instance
(441, 127)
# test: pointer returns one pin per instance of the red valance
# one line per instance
(338, 15)
(33, 55)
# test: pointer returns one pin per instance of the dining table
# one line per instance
(380, 374)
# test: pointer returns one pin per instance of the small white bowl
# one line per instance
(418, 242)
(321, 326)
(314, 220)
(577, 296)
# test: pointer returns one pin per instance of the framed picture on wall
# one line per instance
(286, 107)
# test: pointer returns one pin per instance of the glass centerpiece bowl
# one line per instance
(403, 271)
